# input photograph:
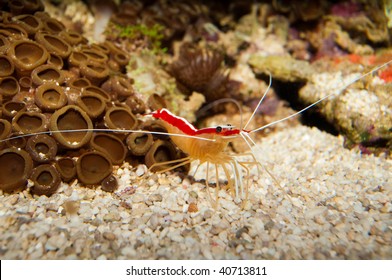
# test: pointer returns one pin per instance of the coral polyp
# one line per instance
(53, 81)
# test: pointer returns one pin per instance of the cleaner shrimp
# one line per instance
(210, 145)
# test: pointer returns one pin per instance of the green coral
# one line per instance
(152, 35)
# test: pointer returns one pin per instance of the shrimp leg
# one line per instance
(213, 202)
(180, 162)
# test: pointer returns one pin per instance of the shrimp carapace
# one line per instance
(184, 126)
(197, 147)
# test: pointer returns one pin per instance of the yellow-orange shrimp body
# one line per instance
(212, 151)
(207, 145)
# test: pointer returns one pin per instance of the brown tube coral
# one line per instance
(94, 71)
(5, 131)
(71, 117)
(29, 122)
(67, 168)
(4, 43)
(16, 166)
(9, 87)
(18, 7)
(119, 86)
(156, 127)
(13, 30)
(156, 102)
(54, 44)
(46, 180)
(16, 142)
(76, 58)
(79, 83)
(26, 56)
(52, 25)
(139, 143)
(71, 37)
(92, 103)
(120, 118)
(136, 105)
(55, 61)
(6, 66)
(30, 23)
(47, 73)
(50, 97)
(161, 151)
(110, 145)
(11, 108)
(25, 83)
(97, 90)
(116, 54)
(93, 167)
(42, 148)
(94, 54)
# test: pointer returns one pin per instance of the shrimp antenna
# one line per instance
(220, 101)
(338, 90)
(106, 130)
(258, 104)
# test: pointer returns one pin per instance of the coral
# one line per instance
(141, 35)
(29, 122)
(147, 27)
(160, 151)
(302, 10)
(120, 118)
(7, 67)
(201, 70)
(362, 114)
(139, 143)
(53, 78)
(92, 167)
(281, 67)
(42, 148)
(92, 103)
(16, 168)
(47, 73)
(46, 180)
(26, 56)
(50, 97)
(11, 108)
(9, 87)
(386, 75)
(110, 145)
(67, 168)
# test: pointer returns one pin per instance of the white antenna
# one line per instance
(258, 104)
(325, 97)
(108, 130)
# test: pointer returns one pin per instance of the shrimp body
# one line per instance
(207, 145)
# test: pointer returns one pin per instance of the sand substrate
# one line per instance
(333, 203)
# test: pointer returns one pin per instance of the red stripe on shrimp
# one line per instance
(180, 123)
(187, 128)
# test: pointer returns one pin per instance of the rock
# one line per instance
(109, 236)
(55, 242)
(283, 68)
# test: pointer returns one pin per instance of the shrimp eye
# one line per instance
(218, 129)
